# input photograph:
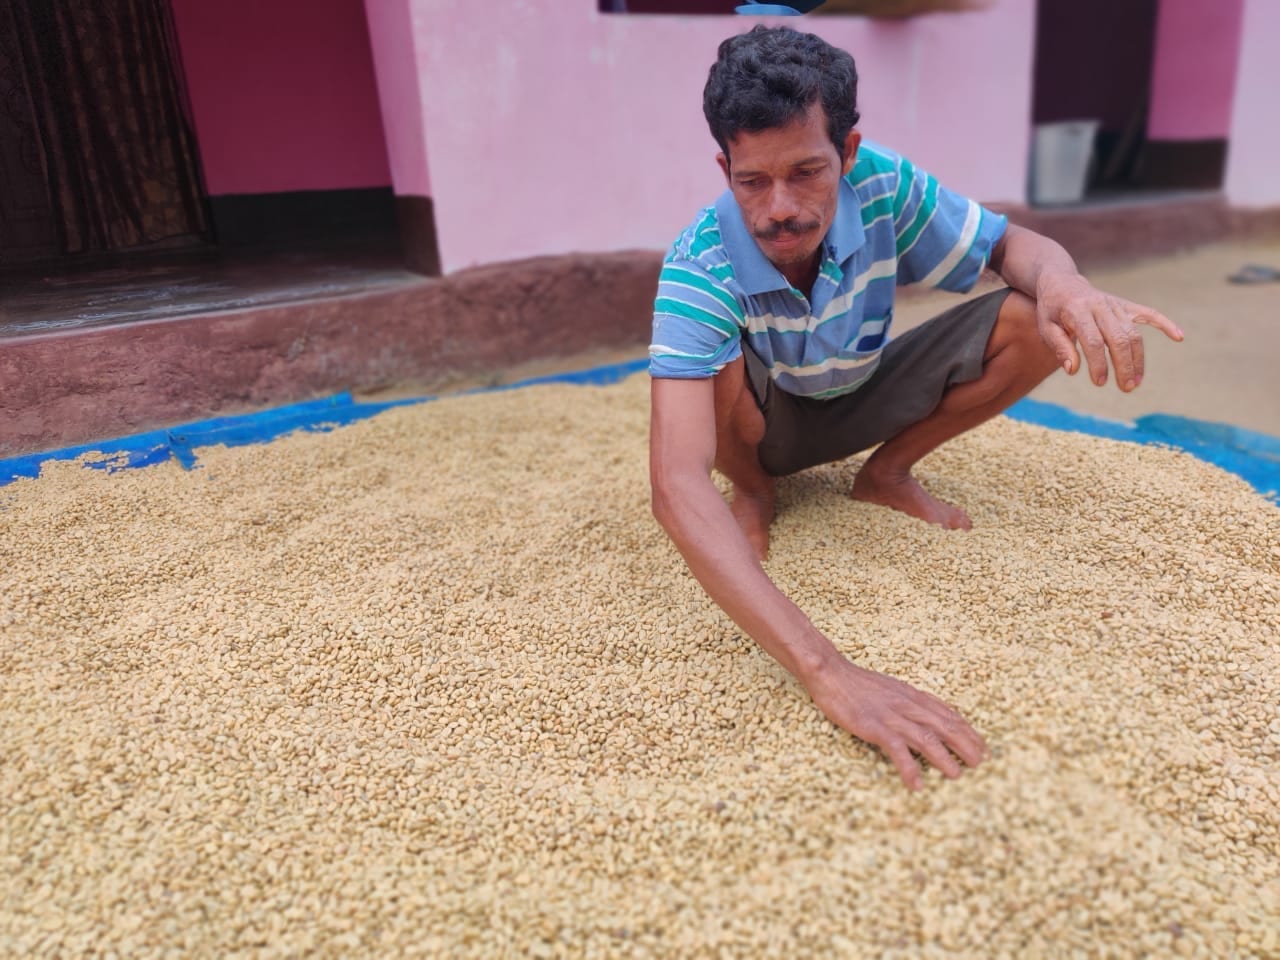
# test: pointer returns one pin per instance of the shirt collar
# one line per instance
(753, 269)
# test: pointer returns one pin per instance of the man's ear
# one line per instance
(724, 167)
(851, 144)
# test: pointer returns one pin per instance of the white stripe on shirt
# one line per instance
(958, 252)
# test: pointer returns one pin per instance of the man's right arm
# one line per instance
(876, 708)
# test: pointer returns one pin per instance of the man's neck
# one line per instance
(802, 275)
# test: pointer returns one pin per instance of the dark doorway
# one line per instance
(26, 215)
(97, 152)
(1094, 61)
(1109, 64)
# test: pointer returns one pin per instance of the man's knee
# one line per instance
(1016, 320)
(1017, 326)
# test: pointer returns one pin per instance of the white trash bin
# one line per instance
(1060, 156)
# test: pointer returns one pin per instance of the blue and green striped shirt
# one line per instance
(894, 225)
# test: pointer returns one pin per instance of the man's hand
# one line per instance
(897, 718)
(1071, 310)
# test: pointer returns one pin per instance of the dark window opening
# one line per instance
(669, 6)
(886, 9)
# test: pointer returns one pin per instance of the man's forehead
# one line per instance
(778, 153)
(804, 138)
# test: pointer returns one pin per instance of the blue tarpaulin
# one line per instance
(1253, 456)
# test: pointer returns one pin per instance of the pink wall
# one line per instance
(391, 36)
(555, 128)
(1253, 174)
(283, 94)
(1194, 75)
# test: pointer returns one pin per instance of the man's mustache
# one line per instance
(793, 227)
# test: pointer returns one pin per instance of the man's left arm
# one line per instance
(1071, 310)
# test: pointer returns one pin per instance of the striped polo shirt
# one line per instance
(894, 225)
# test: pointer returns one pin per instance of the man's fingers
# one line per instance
(1139, 352)
(955, 732)
(899, 753)
(938, 731)
(1154, 318)
(967, 744)
(964, 741)
(900, 719)
(1082, 324)
(1085, 327)
(1059, 341)
(929, 745)
(1121, 336)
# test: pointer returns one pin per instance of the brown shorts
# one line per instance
(906, 387)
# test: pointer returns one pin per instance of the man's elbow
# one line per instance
(662, 501)
(669, 499)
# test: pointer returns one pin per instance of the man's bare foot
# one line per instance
(754, 514)
(903, 492)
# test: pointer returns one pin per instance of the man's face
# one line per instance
(787, 183)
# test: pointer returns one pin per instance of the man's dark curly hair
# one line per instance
(770, 76)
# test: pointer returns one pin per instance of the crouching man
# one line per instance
(771, 353)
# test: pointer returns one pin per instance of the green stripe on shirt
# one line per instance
(671, 273)
(677, 308)
(924, 213)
